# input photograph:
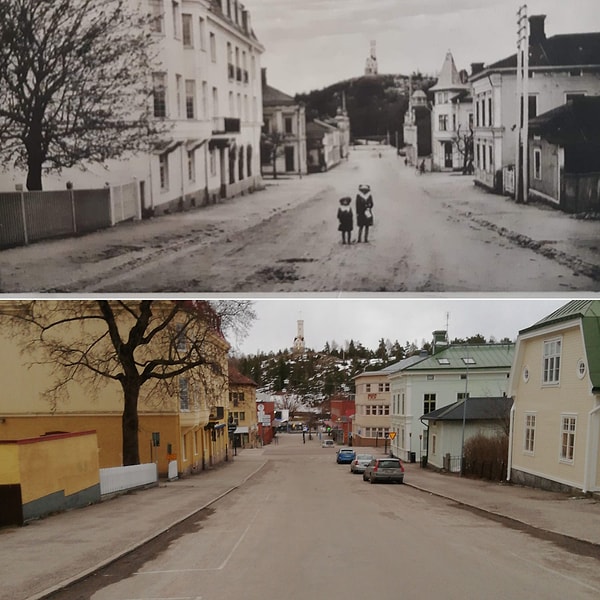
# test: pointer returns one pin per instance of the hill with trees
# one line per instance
(375, 103)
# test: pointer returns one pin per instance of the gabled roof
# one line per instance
(275, 97)
(395, 367)
(236, 378)
(460, 357)
(475, 409)
(577, 122)
(587, 312)
(563, 50)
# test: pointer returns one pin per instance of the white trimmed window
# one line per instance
(187, 31)
(190, 98)
(537, 163)
(567, 434)
(213, 47)
(551, 371)
(163, 168)
(428, 403)
(191, 156)
(384, 387)
(529, 441)
(202, 33)
(157, 23)
(176, 20)
(159, 94)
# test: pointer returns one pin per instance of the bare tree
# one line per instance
(74, 83)
(271, 144)
(141, 344)
(463, 141)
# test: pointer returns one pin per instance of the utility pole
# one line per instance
(521, 160)
(464, 415)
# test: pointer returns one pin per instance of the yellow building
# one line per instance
(242, 408)
(555, 384)
(182, 415)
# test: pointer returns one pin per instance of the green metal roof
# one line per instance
(454, 358)
(588, 313)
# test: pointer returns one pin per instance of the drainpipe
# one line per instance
(592, 436)
(510, 440)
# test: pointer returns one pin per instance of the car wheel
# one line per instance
(371, 479)
(364, 477)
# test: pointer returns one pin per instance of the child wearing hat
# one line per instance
(345, 218)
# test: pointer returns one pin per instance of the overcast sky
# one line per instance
(369, 320)
(310, 44)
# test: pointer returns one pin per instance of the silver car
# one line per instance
(360, 463)
(384, 469)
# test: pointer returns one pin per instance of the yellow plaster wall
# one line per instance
(51, 465)
(570, 396)
(9, 464)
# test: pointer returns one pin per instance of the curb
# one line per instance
(83, 574)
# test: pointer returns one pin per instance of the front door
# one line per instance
(289, 159)
(448, 155)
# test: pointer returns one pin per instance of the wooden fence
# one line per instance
(27, 217)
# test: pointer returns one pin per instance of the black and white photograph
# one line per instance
(203, 147)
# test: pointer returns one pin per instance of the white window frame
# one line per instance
(157, 11)
(176, 10)
(159, 91)
(187, 30)
(163, 169)
(529, 423)
(551, 361)
(568, 432)
(202, 33)
(537, 163)
(191, 160)
(213, 47)
(190, 98)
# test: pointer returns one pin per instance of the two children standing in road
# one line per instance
(364, 215)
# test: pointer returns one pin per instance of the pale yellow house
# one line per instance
(183, 418)
(242, 408)
(372, 408)
(555, 384)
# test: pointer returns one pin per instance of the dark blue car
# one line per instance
(345, 456)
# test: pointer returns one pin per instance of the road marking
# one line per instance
(219, 568)
(554, 572)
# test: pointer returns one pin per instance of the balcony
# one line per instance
(226, 125)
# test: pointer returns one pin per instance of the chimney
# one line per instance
(263, 75)
(476, 67)
(536, 29)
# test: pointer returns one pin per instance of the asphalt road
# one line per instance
(432, 233)
(304, 527)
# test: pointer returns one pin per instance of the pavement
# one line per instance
(49, 554)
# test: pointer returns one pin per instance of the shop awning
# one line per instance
(240, 429)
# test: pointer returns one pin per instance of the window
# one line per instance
(179, 90)
(581, 369)
(567, 445)
(569, 96)
(384, 387)
(532, 106)
(551, 361)
(428, 403)
(163, 167)
(430, 377)
(213, 47)
(367, 387)
(529, 442)
(231, 106)
(176, 20)
(191, 156)
(215, 102)
(190, 98)
(443, 361)
(184, 398)
(443, 122)
(537, 163)
(159, 94)
(289, 127)
(461, 396)
(181, 341)
(236, 397)
(157, 23)
(202, 33)
(230, 67)
(204, 100)
(477, 113)
(468, 360)
(489, 115)
(187, 31)
(433, 443)
(490, 158)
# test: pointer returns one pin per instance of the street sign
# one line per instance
(392, 435)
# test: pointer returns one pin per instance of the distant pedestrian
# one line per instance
(364, 211)
(422, 167)
(346, 219)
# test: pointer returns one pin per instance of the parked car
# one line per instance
(359, 464)
(384, 469)
(345, 456)
(327, 444)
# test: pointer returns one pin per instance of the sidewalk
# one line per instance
(52, 552)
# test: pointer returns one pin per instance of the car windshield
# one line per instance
(389, 464)
(346, 451)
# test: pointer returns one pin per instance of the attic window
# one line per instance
(443, 361)
(468, 360)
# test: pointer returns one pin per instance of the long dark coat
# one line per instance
(346, 219)
(364, 202)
